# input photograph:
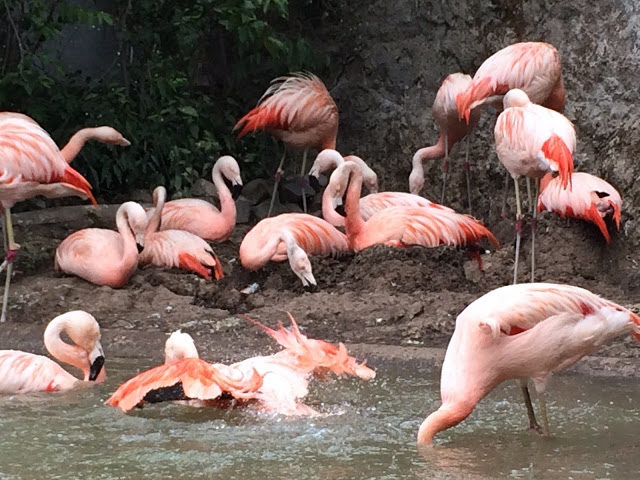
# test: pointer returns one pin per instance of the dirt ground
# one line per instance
(381, 296)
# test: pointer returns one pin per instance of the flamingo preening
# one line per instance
(521, 331)
(329, 159)
(298, 110)
(22, 372)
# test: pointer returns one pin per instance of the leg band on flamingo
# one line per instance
(11, 255)
(466, 166)
(518, 226)
(445, 166)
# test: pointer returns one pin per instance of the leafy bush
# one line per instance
(182, 77)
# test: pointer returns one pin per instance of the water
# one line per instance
(367, 430)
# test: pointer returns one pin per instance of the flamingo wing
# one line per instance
(317, 236)
(197, 378)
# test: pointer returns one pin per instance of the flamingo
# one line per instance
(200, 217)
(530, 66)
(404, 226)
(590, 198)
(329, 159)
(292, 236)
(22, 372)
(103, 134)
(102, 256)
(452, 130)
(31, 165)
(275, 383)
(177, 248)
(521, 331)
(532, 140)
(297, 109)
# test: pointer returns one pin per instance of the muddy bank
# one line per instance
(381, 297)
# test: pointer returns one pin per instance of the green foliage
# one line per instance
(183, 74)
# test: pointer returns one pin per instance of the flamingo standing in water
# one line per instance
(403, 226)
(22, 372)
(31, 165)
(275, 383)
(102, 256)
(590, 198)
(177, 248)
(532, 140)
(298, 110)
(329, 159)
(291, 236)
(521, 331)
(530, 66)
(452, 130)
(200, 217)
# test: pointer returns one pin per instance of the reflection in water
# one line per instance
(366, 431)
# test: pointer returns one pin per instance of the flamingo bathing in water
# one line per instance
(452, 130)
(521, 331)
(298, 110)
(22, 372)
(590, 198)
(291, 236)
(200, 217)
(532, 140)
(177, 248)
(32, 165)
(102, 256)
(403, 226)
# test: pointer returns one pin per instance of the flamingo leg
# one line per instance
(8, 262)
(303, 180)
(534, 226)
(504, 196)
(275, 186)
(529, 191)
(445, 167)
(518, 230)
(467, 171)
(543, 413)
(533, 423)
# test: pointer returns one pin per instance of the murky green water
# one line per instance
(367, 431)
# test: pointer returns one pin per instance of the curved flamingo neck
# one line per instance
(227, 204)
(62, 351)
(432, 152)
(354, 222)
(75, 143)
(329, 160)
(159, 197)
(445, 417)
(328, 212)
(130, 249)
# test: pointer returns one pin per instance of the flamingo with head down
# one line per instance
(200, 217)
(329, 159)
(102, 256)
(521, 331)
(404, 226)
(291, 236)
(22, 372)
(275, 383)
(298, 110)
(590, 198)
(177, 248)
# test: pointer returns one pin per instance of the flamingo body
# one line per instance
(530, 66)
(590, 198)
(520, 331)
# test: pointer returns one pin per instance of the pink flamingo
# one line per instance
(532, 140)
(452, 130)
(298, 110)
(590, 198)
(530, 66)
(521, 331)
(200, 217)
(104, 134)
(404, 226)
(177, 248)
(22, 372)
(101, 256)
(274, 383)
(292, 236)
(329, 159)
(31, 165)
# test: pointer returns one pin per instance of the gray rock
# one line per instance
(204, 188)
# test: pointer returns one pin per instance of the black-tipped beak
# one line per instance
(236, 190)
(314, 182)
(96, 367)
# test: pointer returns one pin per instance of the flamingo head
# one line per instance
(179, 345)
(416, 181)
(515, 98)
(230, 171)
(301, 266)
(83, 330)
(110, 136)
(369, 177)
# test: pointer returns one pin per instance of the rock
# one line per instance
(291, 191)
(204, 188)
(257, 190)
(243, 210)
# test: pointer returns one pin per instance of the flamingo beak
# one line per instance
(97, 361)
(236, 190)
(308, 279)
(314, 182)
(124, 142)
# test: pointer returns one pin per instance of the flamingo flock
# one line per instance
(521, 331)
